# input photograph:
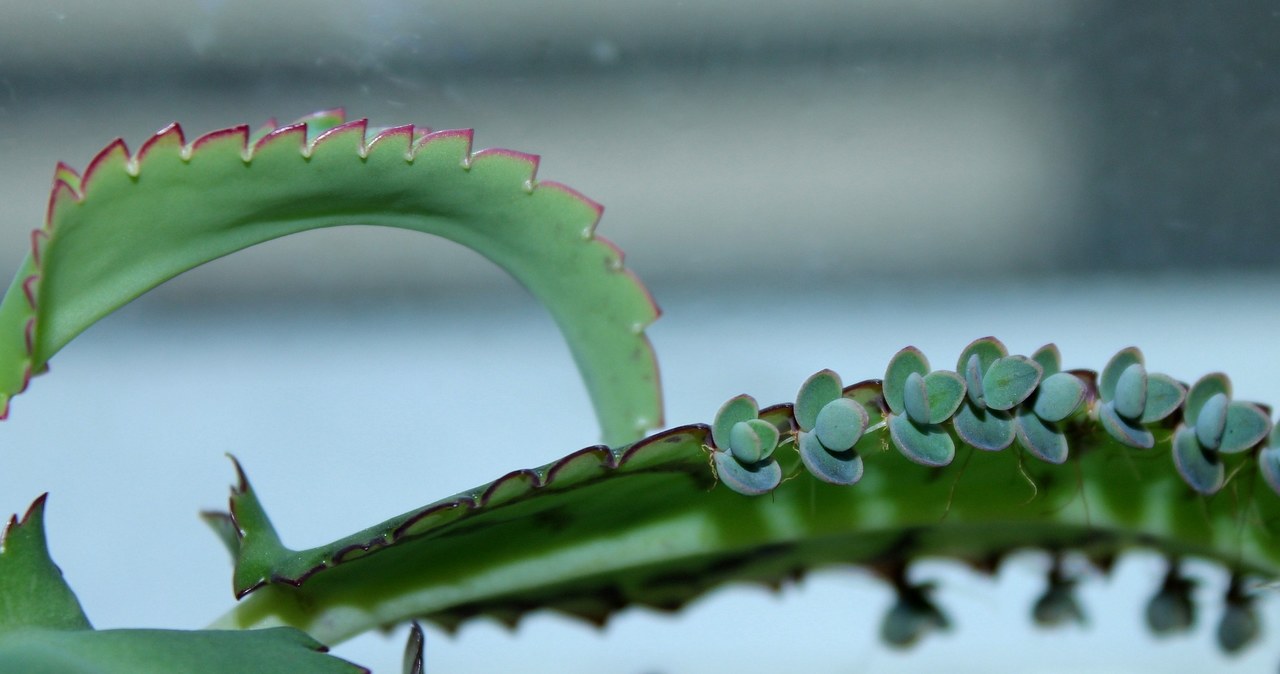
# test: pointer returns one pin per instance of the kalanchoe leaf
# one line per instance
(1131, 392)
(901, 366)
(1200, 469)
(841, 468)
(915, 398)
(1049, 358)
(1039, 438)
(818, 390)
(1009, 381)
(736, 409)
(753, 440)
(122, 234)
(276, 650)
(985, 429)
(754, 481)
(912, 617)
(927, 445)
(1246, 426)
(1211, 422)
(946, 393)
(33, 593)
(1059, 396)
(1171, 610)
(1114, 368)
(1124, 431)
(840, 424)
(1164, 396)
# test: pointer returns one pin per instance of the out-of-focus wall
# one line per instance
(983, 138)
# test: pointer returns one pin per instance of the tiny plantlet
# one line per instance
(970, 464)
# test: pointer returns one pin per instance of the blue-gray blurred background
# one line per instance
(803, 185)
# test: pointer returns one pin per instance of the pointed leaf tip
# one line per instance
(33, 593)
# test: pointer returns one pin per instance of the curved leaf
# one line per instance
(135, 221)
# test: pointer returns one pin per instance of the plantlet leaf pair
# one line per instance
(744, 445)
(1132, 397)
(1214, 424)
(920, 401)
(830, 427)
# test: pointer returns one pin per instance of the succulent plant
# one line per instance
(1132, 398)
(830, 427)
(996, 383)
(1213, 424)
(744, 445)
(920, 401)
(1038, 420)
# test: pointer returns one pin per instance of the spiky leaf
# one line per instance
(33, 593)
(279, 650)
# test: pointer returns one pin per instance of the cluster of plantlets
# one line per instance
(991, 402)
(999, 400)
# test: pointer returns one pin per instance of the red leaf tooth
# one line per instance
(68, 176)
(30, 288)
(29, 332)
(531, 160)
(297, 131)
(402, 134)
(221, 135)
(467, 135)
(39, 239)
(355, 130)
(168, 136)
(63, 194)
(116, 150)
